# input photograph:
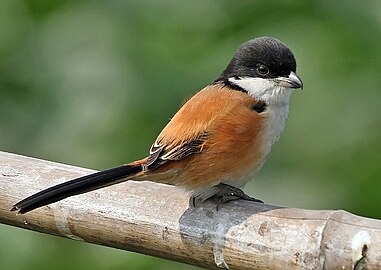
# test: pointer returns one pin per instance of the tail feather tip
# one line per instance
(14, 208)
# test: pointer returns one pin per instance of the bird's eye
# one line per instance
(262, 70)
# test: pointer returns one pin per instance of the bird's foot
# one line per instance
(225, 193)
(229, 193)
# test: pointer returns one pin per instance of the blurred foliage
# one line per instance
(92, 83)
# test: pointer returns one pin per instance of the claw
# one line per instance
(225, 193)
(229, 193)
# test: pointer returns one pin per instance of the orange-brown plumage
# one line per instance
(231, 149)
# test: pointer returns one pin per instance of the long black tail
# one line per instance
(77, 186)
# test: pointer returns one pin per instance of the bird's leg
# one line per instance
(193, 201)
(228, 193)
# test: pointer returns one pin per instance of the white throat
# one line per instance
(265, 90)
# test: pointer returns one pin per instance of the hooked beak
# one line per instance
(292, 81)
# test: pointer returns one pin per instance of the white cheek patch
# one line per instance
(266, 90)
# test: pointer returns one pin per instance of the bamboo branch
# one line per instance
(156, 219)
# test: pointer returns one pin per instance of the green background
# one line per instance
(91, 83)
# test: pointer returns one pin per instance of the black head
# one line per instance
(263, 57)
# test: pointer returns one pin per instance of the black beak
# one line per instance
(292, 81)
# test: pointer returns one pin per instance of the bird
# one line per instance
(217, 141)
